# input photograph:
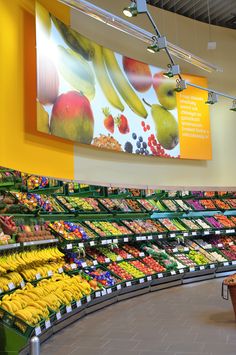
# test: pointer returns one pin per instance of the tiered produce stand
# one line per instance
(67, 249)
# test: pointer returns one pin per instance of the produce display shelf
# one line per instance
(40, 242)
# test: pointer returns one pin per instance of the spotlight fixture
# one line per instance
(233, 108)
(131, 10)
(157, 44)
(212, 98)
(172, 71)
(180, 85)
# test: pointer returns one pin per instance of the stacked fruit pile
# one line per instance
(213, 222)
(33, 304)
(72, 231)
(183, 205)
(172, 225)
(140, 226)
(153, 264)
(27, 233)
(183, 258)
(198, 258)
(115, 205)
(35, 201)
(106, 229)
(225, 221)
(80, 204)
(149, 205)
(190, 224)
(103, 277)
(131, 250)
(208, 204)
(222, 204)
(142, 267)
(171, 206)
(196, 205)
(119, 271)
(132, 270)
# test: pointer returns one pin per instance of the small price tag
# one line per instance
(129, 256)
(95, 262)
(226, 263)
(69, 246)
(107, 260)
(149, 278)
(84, 264)
(202, 267)
(68, 309)
(128, 283)
(232, 230)
(225, 292)
(172, 235)
(81, 245)
(234, 262)
(143, 238)
(220, 245)
(231, 243)
(228, 231)
(104, 242)
(175, 250)
(138, 238)
(97, 294)
(109, 290)
(141, 254)
(118, 287)
(50, 273)
(38, 276)
(181, 271)
(160, 275)
(217, 232)
(141, 281)
(185, 234)
(126, 240)
(212, 266)
(88, 298)
(160, 236)
(115, 241)
(11, 286)
(194, 233)
(119, 258)
(109, 241)
(196, 248)
(149, 237)
(73, 266)
(208, 246)
(58, 315)
(22, 284)
(37, 331)
(78, 304)
(92, 243)
(60, 270)
(191, 269)
(186, 249)
(173, 272)
(206, 232)
(47, 324)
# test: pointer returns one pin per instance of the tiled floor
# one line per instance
(185, 320)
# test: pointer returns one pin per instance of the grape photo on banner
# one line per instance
(89, 94)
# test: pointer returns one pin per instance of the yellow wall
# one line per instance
(21, 147)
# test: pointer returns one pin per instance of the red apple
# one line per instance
(72, 117)
(158, 78)
(138, 73)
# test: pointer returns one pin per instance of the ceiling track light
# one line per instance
(120, 24)
(131, 10)
(157, 44)
(212, 98)
(233, 107)
(173, 70)
(180, 85)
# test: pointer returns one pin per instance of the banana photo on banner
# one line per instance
(88, 94)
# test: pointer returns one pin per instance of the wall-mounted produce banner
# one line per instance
(91, 95)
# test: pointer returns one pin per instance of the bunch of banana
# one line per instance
(30, 272)
(12, 277)
(104, 61)
(15, 261)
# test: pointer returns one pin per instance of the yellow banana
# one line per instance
(122, 84)
(103, 78)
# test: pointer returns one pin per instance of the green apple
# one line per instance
(166, 94)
